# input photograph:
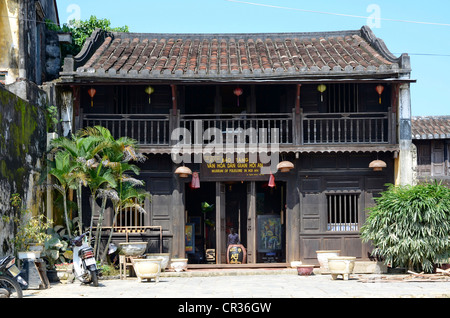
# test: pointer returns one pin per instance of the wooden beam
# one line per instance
(174, 98)
(297, 99)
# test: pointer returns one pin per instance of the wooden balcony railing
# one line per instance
(288, 128)
(367, 128)
(146, 129)
(241, 128)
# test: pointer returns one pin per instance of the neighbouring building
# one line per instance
(330, 103)
(431, 136)
(29, 56)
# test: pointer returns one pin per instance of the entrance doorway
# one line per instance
(255, 211)
(270, 223)
(236, 210)
(200, 230)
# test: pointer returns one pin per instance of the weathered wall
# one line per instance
(27, 49)
(22, 150)
(9, 39)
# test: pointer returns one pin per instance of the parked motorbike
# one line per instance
(84, 265)
(10, 279)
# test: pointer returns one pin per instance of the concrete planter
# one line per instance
(343, 265)
(179, 264)
(29, 255)
(164, 256)
(147, 268)
(322, 257)
(134, 248)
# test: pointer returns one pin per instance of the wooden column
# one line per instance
(221, 237)
(251, 222)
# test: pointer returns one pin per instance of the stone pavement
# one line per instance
(246, 284)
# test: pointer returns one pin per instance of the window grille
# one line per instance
(130, 220)
(343, 98)
(342, 210)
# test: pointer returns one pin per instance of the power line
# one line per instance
(335, 14)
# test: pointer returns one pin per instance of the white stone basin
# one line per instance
(342, 265)
(147, 268)
(133, 248)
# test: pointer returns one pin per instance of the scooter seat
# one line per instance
(3, 260)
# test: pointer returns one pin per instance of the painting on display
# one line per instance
(269, 233)
(190, 238)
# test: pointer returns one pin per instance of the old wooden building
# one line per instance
(431, 136)
(230, 107)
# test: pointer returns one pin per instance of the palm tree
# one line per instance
(116, 155)
(61, 169)
(82, 152)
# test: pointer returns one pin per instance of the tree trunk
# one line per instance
(80, 210)
(105, 252)
(98, 234)
(66, 215)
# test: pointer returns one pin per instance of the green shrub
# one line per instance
(410, 226)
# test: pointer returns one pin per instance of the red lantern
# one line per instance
(195, 183)
(380, 90)
(91, 93)
(238, 92)
(272, 181)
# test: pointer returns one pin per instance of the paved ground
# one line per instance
(261, 284)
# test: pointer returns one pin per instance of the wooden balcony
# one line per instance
(146, 129)
(349, 128)
(290, 129)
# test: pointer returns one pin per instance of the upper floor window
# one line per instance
(343, 98)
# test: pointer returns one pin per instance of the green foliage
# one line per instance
(93, 158)
(30, 229)
(51, 113)
(410, 226)
(81, 30)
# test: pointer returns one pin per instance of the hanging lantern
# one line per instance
(380, 89)
(91, 93)
(321, 88)
(272, 181)
(377, 165)
(183, 172)
(238, 92)
(149, 90)
(285, 166)
(195, 183)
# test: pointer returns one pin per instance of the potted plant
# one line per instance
(31, 230)
(56, 252)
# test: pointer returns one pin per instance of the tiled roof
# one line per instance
(431, 127)
(245, 56)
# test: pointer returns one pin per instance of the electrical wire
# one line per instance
(336, 14)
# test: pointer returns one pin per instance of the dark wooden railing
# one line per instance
(367, 128)
(146, 129)
(287, 128)
(241, 128)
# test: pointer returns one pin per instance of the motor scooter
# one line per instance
(9, 278)
(84, 265)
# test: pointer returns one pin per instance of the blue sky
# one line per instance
(427, 43)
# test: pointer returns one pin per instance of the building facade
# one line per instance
(231, 107)
(431, 136)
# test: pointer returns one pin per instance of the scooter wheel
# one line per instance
(94, 278)
(10, 288)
